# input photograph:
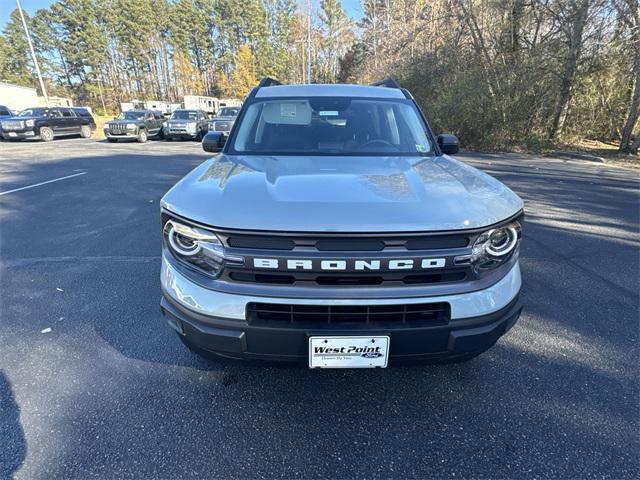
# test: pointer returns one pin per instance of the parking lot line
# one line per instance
(42, 183)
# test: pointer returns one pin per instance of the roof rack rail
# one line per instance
(268, 82)
(387, 82)
(265, 82)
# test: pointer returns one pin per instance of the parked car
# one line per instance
(224, 120)
(4, 113)
(47, 123)
(333, 228)
(186, 124)
(139, 125)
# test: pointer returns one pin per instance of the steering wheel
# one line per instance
(378, 141)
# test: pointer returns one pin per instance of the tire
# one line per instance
(112, 140)
(160, 134)
(46, 134)
(85, 131)
(168, 138)
(200, 136)
(142, 136)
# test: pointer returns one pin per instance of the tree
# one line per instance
(573, 18)
(630, 14)
(244, 76)
(15, 59)
(337, 37)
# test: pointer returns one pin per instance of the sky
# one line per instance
(352, 7)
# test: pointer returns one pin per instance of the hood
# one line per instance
(122, 121)
(341, 194)
(15, 117)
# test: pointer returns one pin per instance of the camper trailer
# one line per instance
(229, 102)
(157, 105)
(209, 105)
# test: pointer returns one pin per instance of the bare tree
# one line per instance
(630, 14)
(573, 17)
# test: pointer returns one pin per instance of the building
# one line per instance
(16, 97)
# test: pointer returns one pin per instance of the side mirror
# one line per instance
(213, 142)
(448, 143)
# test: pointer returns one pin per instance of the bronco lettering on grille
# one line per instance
(343, 265)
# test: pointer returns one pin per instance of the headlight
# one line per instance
(495, 246)
(197, 248)
(29, 123)
(131, 126)
(191, 126)
(164, 124)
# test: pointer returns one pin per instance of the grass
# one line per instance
(100, 121)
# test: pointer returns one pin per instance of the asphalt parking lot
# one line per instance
(110, 392)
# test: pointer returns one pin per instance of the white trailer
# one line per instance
(197, 102)
(132, 105)
(230, 102)
(163, 107)
(17, 98)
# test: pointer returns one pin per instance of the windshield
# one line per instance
(33, 112)
(184, 115)
(228, 112)
(132, 115)
(332, 126)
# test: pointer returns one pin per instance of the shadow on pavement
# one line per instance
(13, 447)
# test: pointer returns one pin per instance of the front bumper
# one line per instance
(216, 322)
(18, 134)
(121, 136)
(186, 136)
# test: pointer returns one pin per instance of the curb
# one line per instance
(576, 155)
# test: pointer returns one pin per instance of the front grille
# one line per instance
(347, 244)
(117, 129)
(341, 247)
(221, 126)
(311, 279)
(12, 125)
(317, 316)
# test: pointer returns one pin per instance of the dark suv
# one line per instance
(136, 125)
(224, 119)
(48, 123)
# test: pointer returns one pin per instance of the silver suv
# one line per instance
(333, 228)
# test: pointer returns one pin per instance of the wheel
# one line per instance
(160, 134)
(46, 134)
(112, 140)
(85, 131)
(168, 138)
(142, 136)
(200, 136)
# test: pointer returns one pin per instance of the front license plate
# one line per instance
(348, 352)
(13, 134)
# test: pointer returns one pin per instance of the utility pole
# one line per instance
(309, 45)
(33, 54)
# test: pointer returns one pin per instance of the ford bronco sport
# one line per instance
(334, 229)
